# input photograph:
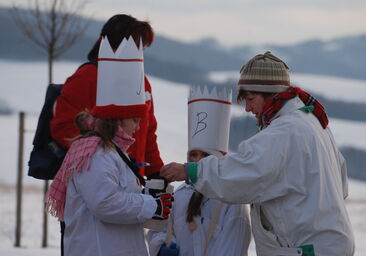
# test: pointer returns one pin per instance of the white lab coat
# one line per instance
(230, 238)
(105, 210)
(296, 180)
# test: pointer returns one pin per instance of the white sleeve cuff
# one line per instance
(148, 208)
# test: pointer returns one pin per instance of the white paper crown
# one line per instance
(209, 120)
(120, 79)
(126, 50)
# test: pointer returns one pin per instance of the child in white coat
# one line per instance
(202, 226)
(97, 191)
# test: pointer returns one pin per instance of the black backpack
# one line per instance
(47, 156)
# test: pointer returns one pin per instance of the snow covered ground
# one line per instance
(32, 222)
(23, 85)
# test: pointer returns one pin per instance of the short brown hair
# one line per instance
(242, 94)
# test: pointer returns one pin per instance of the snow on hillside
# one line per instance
(23, 86)
(349, 133)
(349, 90)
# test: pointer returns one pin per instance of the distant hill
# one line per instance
(190, 63)
(15, 46)
(338, 57)
(342, 57)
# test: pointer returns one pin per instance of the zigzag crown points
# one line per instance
(202, 92)
(126, 50)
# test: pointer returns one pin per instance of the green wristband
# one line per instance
(192, 171)
(307, 250)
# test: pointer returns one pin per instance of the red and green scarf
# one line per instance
(274, 105)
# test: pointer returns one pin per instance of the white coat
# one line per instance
(230, 238)
(105, 210)
(296, 180)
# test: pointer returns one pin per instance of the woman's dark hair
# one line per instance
(242, 94)
(123, 26)
(104, 128)
(194, 206)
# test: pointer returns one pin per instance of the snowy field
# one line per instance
(24, 91)
(32, 224)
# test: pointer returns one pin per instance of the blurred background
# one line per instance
(197, 43)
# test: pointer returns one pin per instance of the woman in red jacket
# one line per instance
(79, 93)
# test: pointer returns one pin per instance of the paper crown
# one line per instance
(209, 120)
(120, 84)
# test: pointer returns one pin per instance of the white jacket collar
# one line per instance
(290, 106)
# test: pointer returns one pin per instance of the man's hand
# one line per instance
(173, 172)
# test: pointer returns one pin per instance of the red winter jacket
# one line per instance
(78, 94)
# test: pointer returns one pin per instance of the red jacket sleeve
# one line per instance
(77, 94)
(145, 149)
(152, 153)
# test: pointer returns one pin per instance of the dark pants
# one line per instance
(62, 225)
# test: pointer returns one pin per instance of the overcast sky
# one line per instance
(238, 22)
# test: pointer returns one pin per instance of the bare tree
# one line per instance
(54, 26)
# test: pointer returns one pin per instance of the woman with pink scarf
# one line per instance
(97, 191)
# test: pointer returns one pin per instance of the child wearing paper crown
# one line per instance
(97, 191)
(80, 89)
(202, 226)
(80, 92)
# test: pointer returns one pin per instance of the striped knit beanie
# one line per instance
(264, 73)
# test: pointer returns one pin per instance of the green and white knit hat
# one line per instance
(264, 73)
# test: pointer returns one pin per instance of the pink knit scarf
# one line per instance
(78, 159)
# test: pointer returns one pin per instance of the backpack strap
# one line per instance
(130, 163)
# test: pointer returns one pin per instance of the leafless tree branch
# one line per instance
(52, 25)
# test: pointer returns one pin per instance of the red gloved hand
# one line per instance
(164, 203)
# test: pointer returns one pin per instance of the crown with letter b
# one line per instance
(201, 94)
(209, 120)
(120, 84)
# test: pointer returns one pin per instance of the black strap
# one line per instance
(130, 164)
(128, 161)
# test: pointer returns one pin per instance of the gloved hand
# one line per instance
(153, 192)
(156, 191)
(164, 203)
(169, 251)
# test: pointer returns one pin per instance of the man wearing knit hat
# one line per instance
(291, 172)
